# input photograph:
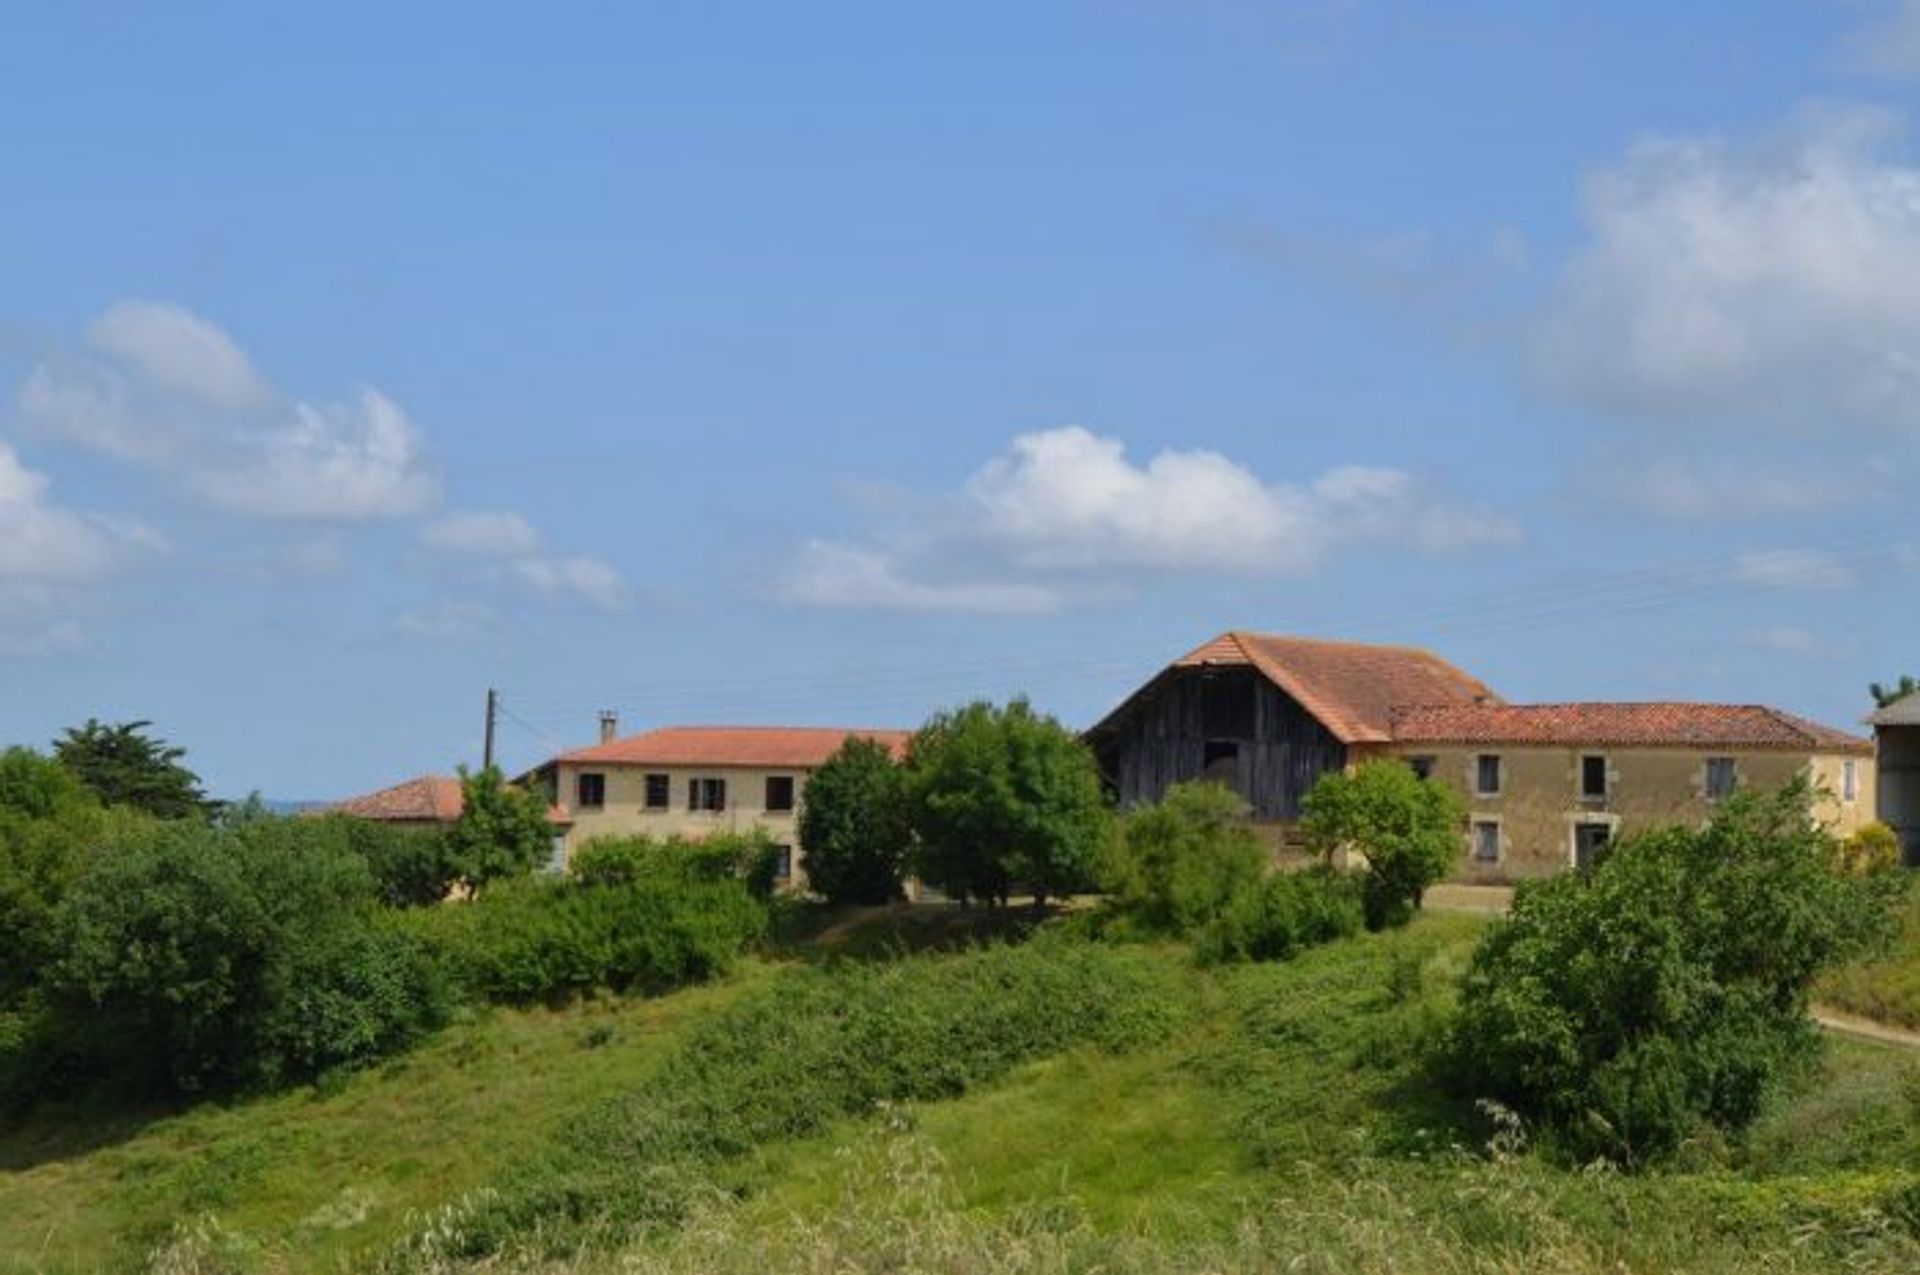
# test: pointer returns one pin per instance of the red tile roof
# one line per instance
(423, 799)
(1351, 687)
(796, 747)
(1652, 725)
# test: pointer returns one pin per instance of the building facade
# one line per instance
(694, 781)
(1896, 733)
(1547, 786)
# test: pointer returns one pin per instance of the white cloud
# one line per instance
(1062, 512)
(180, 351)
(1776, 282)
(1726, 488)
(41, 542)
(1888, 44)
(1794, 569)
(587, 580)
(489, 535)
(846, 577)
(168, 390)
(1069, 499)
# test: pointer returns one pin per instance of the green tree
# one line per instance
(1885, 695)
(49, 826)
(1179, 864)
(502, 830)
(1004, 796)
(124, 766)
(1408, 829)
(853, 824)
(1667, 988)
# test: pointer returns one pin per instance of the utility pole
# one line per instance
(493, 709)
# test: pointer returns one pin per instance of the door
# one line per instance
(1590, 841)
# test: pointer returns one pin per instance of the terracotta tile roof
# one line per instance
(798, 747)
(1651, 725)
(1352, 687)
(422, 799)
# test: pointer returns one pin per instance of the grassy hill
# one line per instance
(1283, 1117)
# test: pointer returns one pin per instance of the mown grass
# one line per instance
(1886, 988)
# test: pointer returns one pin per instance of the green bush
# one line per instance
(1285, 914)
(1408, 829)
(202, 958)
(543, 940)
(411, 867)
(1178, 866)
(1665, 991)
(748, 857)
(815, 1047)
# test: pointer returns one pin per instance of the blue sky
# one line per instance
(833, 363)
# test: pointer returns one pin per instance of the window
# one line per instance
(1590, 842)
(1721, 778)
(707, 794)
(1422, 767)
(1487, 775)
(659, 792)
(783, 863)
(590, 791)
(1486, 841)
(779, 792)
(1850, 780)
(1593, 777)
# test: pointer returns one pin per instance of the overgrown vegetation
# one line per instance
(817, 1046)
(1885, 985)
(1664, 993)
(854, 825)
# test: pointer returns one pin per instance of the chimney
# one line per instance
(609, 725)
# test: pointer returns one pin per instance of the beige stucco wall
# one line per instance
(1540, 804)
(624, 812)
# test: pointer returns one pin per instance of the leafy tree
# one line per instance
(1179, 864)
(998, 796)
(412, 867)
(853, 824)
(1408, 828)
(126, 767)
(502, 830)
(1666, 989)
(1885, 695)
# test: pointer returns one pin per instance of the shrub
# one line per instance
(1004, 796)
(1408, 829)
(854, 824)
(411, 867)
(747, 857)
(1285, 914)
(1665, 990)
(1872, 848)
(1177, 866)
(204, 958)
(539, 940)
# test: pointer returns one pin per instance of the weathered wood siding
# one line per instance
(1162, 740)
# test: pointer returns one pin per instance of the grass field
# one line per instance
(1289, 1123)
(1887, 989)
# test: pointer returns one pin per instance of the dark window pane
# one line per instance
(1593, 776)
(780, 792)
(1489, 773)
(658, 792)
(591, 790)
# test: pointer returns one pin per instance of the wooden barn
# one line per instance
(1268, 716)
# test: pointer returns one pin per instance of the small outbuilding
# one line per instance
(1896, 733)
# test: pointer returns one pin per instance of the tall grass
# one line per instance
(1887, 987)
(814, 1047)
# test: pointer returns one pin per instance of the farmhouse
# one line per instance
(691, 781)
(1547, 786)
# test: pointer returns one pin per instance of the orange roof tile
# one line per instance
(1648, 725)
(1351, 687)
(422, 799)
(798, 747)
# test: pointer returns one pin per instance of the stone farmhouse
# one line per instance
(1547, 786)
